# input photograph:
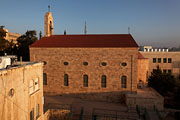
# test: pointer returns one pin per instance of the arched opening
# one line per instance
(123, 82)
(66, 81)
(103, 81)
(85, 80)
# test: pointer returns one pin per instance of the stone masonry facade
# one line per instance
(172, 65)
(17, 97)
(75, 57)
(143, 66)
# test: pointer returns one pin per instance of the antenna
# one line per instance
(64, 32)
(40, 35)
(48, 8)
(128, 30)
(85, 28)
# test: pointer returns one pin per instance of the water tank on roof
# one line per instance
(4, 62)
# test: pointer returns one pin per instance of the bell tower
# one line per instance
(48, 23)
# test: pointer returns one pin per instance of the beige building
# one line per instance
(21, 92)
(143, 67)
(169, 62)
(12, 36)
(87, 63)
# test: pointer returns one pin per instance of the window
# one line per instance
(36, 84)
(103, 81)
(66, 63)
(37, 110)
(123, 82)
(31, 87)
(32, 114)
(85, 63)
(169, 71)
(85, 80)
(165, 60)
(66, 83)
(44, 79)
(154, 60)
(169, 60)
(124, 64)
(103, 63)
(164, 71)
(159, 60)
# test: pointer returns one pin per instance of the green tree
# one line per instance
(24, 42)
(4, 44)
(162, 82)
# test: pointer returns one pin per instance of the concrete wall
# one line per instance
(174, 66)
(17, 79)
(55, 68)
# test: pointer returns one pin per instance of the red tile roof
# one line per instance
(140, 56)
(106, 40)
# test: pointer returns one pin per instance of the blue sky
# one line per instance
(151, 22)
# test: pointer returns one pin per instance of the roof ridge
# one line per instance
(88, 40)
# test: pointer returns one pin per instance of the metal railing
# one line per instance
(146, 114)
(157, 112)
(81, 114)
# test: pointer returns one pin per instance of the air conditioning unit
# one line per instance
(4, 62)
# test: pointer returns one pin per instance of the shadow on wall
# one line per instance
(113, 97)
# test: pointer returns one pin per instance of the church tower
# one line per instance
(48, 23)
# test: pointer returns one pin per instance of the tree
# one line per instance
(162, 82)
(4, 44)
(24, 42)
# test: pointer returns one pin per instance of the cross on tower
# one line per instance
(48, 8)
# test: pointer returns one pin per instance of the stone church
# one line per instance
(86, 63)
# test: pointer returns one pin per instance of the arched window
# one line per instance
(85, 80)
(123, 82)
(66, 82)
(103, 81)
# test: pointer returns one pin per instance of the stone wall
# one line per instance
(143, 66)
(146, 98)
(55, 68)
(174, 66)
(16, 102)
